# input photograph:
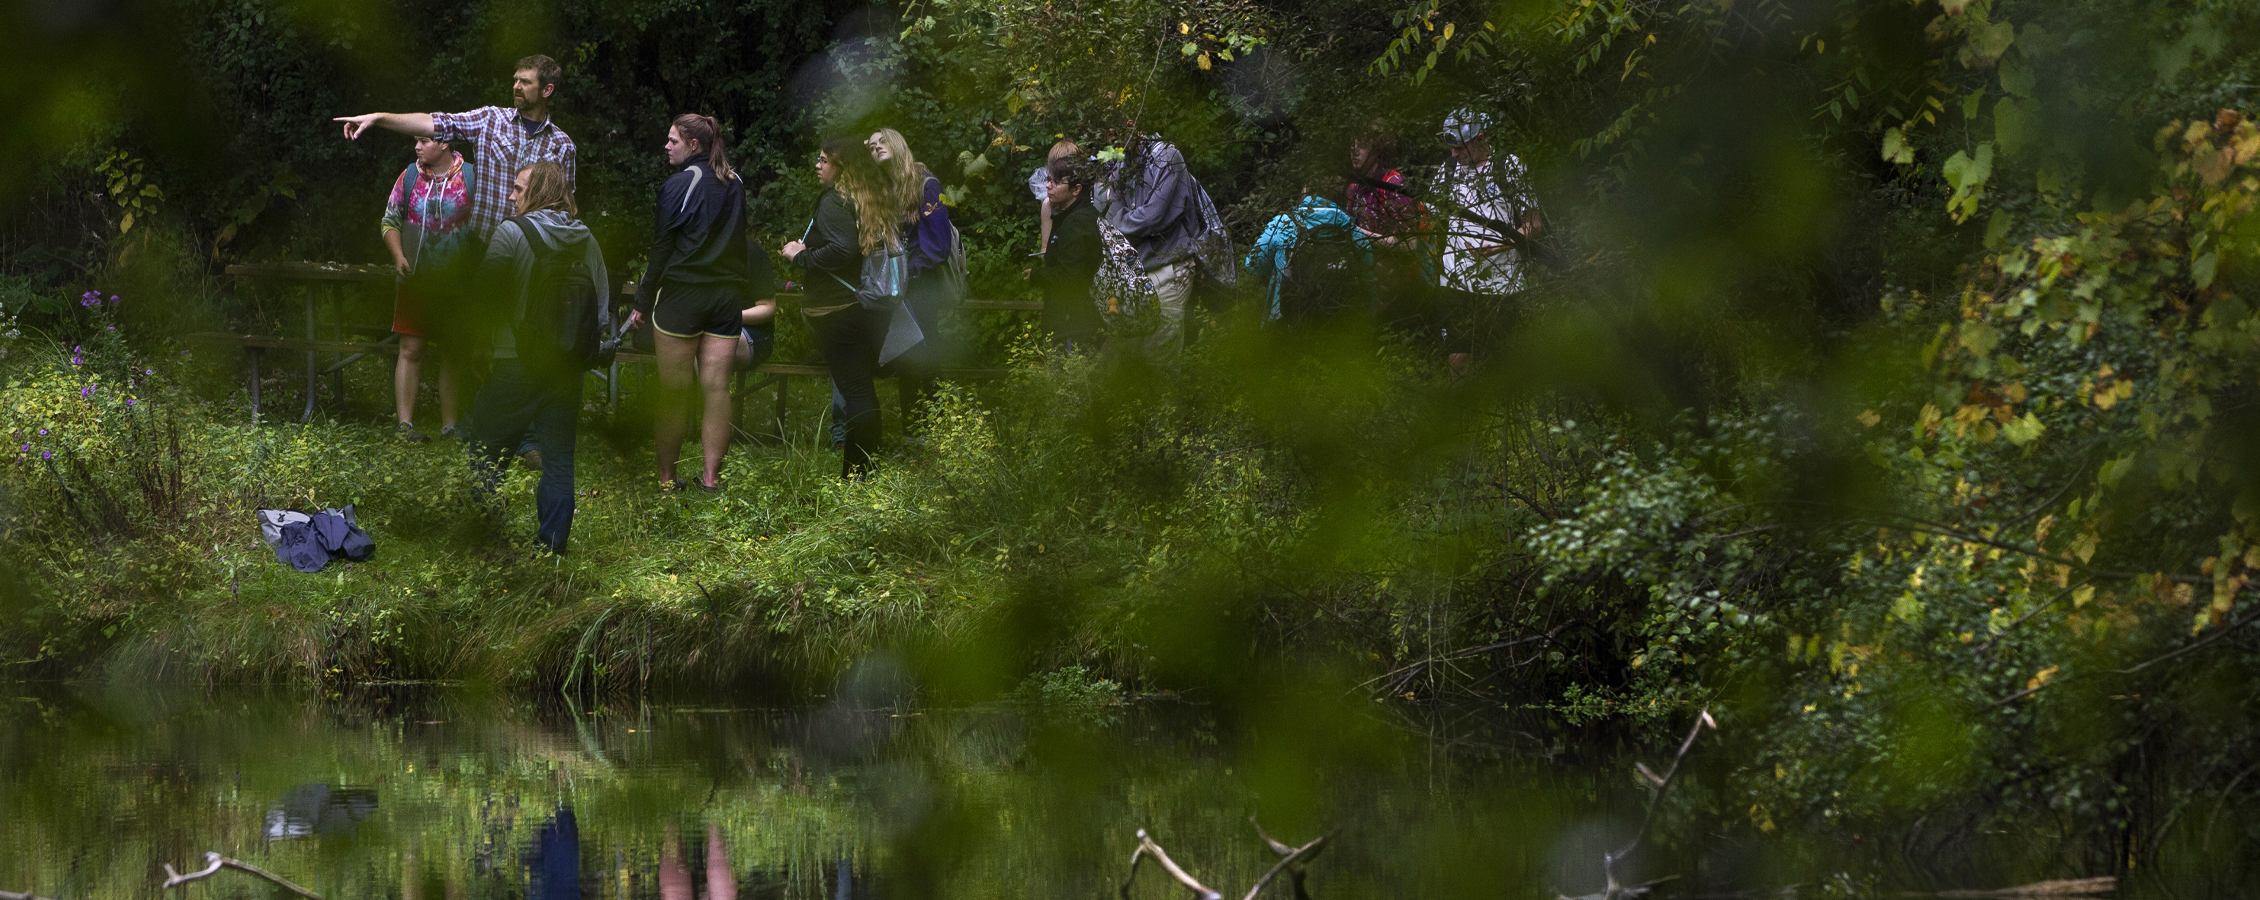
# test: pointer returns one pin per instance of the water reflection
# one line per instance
(457, 796)
(318, 809)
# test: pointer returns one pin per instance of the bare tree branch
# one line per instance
(2068, 887)
(214, 862)
(1292, 860)
(1662, 786)
(1147, 847)
(12, 895)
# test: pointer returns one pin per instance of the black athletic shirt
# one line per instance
(699, 237)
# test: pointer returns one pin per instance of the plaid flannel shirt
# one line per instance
(502, 147)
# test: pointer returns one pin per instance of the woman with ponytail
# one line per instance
(707, 292)
(854, 217)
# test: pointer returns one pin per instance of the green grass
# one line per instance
(1069, 515)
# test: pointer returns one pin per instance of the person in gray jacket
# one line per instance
(1169, 220)
(524, 393)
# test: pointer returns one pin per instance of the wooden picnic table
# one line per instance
(324, 274)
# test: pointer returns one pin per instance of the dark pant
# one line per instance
(849, 340)
(512, 401)
(919, 367)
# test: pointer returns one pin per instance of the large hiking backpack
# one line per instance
(560, 327)
(1321, 279)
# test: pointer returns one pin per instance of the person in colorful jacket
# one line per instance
(426, 225)
(1314, 220)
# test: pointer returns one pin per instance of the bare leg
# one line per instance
(674, 877)
(720, 884)
(715, 355)
(676, 358)
(447, 389)
(1044, 227)
(405, 374)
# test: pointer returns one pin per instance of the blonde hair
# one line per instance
(877, 221)
(906, 176)
(548, 187)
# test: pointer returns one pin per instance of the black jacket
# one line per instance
(831, 256)
(699, 237)
(1071, 263)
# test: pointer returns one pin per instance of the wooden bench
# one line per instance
(768, 374)
(345, 352)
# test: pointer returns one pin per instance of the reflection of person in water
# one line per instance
(553, 863)
(675, 876)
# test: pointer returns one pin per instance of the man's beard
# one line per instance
(519, 102)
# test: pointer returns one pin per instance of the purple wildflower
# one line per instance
(90, 298)
(113, 299)
(87, 392)
(129, 401)
(43, 431)
(46, 454)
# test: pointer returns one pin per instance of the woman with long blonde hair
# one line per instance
(853, 218)
(930, 291)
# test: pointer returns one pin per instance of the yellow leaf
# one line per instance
(2041, 677)
(1869, 418)
(1203, 61)
(2082, 596)
(1448, 29)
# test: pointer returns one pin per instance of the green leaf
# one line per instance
(1895, 148)
(2023, 430)
(1990, 41)
(1189, 49)
(2017, 77)
(1979, 337)
(1968, 175)
(2012, 127)
(2201, 272)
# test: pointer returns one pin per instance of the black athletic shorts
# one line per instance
(688, 310)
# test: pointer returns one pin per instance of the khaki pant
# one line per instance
(1173, 285)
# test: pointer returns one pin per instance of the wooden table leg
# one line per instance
(255, 353)
(312, 373)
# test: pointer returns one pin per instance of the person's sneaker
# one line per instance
(407, 431)
(451, 432)
(530, 459)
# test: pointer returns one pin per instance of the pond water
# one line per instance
(448, 793)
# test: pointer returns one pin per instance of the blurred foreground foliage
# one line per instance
(1887, 390)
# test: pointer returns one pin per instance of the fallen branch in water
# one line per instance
(1661, 784)
(1147, 847)
(1291, 861)
(2065, 887)
(215, 862)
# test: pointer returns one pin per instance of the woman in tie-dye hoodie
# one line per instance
(427, 226)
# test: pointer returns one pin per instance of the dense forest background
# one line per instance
(1885, 387)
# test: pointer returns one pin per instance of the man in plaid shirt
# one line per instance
(505, 140)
